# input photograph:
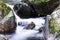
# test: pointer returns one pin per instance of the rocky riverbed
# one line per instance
(22, 33)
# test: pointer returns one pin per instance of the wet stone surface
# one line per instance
(8, 26)
(30, 26)
(2, 37)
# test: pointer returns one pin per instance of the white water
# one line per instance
(23, 34)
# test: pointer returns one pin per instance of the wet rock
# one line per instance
(7, 24)
(7, 21)
(33, 10)
(30, 26)
(2, 37)
(35, 38)
(24, 11)
(22, 23)
(1, 15)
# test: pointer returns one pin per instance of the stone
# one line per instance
(42, 29)
(33, 10)
(7, 19)
(2, 37)
(7, 24)
(24, 11)
(1, 15)
(30, 26)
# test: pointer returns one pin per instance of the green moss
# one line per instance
(40, 0)
(53, 26)
(35, 1)
(5, 9)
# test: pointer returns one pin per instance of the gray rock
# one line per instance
(7, 24)
(2, 37)
(30, 26)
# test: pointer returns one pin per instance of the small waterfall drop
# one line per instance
(23, 34)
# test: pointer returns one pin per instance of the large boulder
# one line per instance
(24, 11)
(7, 21)
(7, 24)
(35, 38)
(32, 10)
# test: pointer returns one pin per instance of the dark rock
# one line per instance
(24, 11)
(35, 38)
(34, 10)
(9, 26)
(30, 26)
(42, 29)
(22, 23)
(1, 15)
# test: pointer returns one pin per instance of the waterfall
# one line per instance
(23, 34)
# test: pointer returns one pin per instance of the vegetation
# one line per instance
(53, 26)
(35, 0)
(4, 1)
(5, 9)
(40, 0)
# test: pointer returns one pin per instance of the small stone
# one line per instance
(30, 26)
(35, 38)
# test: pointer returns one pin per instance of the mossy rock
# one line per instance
(7, 23)
(5, 9)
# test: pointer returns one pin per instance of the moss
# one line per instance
(5, 9)
(53, 26)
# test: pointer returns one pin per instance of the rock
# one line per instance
(7, 24)
(30, 26)
(24, 11)
(7, 20)
(33, 10)
(2, 37)
(42, 29)
(1, 15)
(35, 38)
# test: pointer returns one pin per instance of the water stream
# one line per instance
(23, 34)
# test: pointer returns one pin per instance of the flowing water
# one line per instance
(23, 34)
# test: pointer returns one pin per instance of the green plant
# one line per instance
(35, 0)
(53, 26)
(5, 9)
